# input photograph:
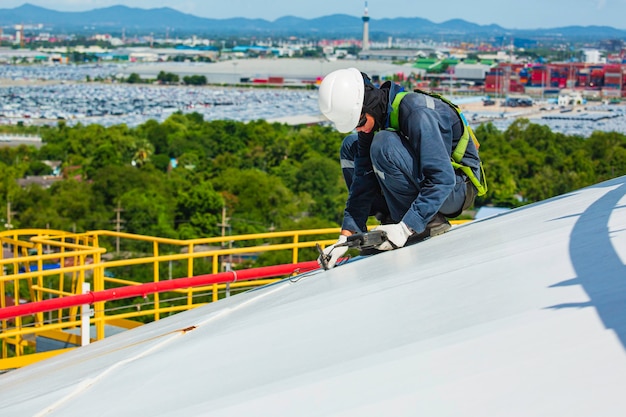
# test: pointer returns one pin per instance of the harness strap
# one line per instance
(395, 112)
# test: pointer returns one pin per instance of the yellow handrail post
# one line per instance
(75, 286)
(190, 260)
(155, 278)
(98, 275)
(17, 341)
(16, 300)
(294, 258)
(215, 265)
(75, 311)
(215, 271)
(60, 289)
(61, 275)
(99, 313)
(61, 280)
(39, 247)
(3, 303)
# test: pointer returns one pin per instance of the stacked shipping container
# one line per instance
(514, 78)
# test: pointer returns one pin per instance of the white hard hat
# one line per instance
(341, 98)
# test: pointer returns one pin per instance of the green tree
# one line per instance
(143, 150)
(8, 181)
(38, 168)
(157, 134)
(134, 78)
(198, 211)
(608, 150)
(67, 205)
(167, 78)
(195, 80)
(111, 182)
(321, 178)
(34, 207)
(262, 201)
(148, 212)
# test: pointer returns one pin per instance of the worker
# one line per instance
(408, 167)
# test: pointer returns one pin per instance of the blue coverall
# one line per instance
(411, 166)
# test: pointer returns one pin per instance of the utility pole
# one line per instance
(118, 225)
(10, 214)
(48, 245)
(224, 224)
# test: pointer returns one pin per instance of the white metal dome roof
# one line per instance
(520, 314)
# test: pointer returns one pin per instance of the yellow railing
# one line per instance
(77, 258)
(93, 257)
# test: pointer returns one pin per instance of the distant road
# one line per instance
(17, 140)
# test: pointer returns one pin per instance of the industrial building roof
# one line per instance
(291, 68)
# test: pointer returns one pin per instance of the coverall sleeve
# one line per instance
(430, 136)
(363, 190)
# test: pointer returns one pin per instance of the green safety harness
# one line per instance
(459, 151)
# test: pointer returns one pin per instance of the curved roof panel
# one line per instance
(519, 314)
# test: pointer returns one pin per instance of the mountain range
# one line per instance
(160, 20)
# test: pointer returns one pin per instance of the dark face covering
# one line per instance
(375, 102)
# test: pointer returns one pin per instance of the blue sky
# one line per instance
(519, 14)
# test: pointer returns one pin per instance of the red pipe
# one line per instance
(154, 287)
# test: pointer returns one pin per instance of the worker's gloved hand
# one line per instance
(397, 235)
(333, 252)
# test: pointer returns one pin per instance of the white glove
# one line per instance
(397, 235)
(333, 252)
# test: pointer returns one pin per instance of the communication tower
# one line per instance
(366, 30)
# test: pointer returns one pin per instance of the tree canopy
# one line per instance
(174, 179)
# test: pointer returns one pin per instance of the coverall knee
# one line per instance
(347, 154)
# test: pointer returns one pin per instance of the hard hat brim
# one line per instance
(346, 126)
